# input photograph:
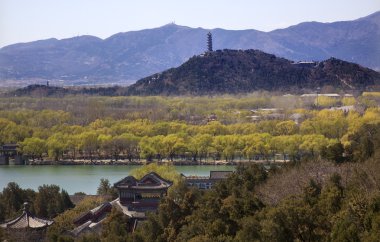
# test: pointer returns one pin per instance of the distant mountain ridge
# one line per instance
(238, 71)
(125, 57)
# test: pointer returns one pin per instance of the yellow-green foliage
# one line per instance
(332, 124)
(323, 101)
(371, 94)
(354, 121)
(348, 101)
(167, 172)
(130, 128)
(372, 115)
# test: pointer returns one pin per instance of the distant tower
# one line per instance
(209, 42)
(47, 83)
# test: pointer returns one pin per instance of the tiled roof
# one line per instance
(208, 181)
(26, 220)
(219, 174)
(149, 181)
(213, 175)
(196, 177)
(89, 225)
(95, 214)
(124, 209)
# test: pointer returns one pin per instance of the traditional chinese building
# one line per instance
(135, 198)
(26, 227)
(91, 221)
(206, 182)
(10, 155)
(143, 194)
(26, 220)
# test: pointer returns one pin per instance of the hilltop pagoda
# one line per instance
(209, 42)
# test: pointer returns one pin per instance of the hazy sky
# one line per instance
(27, 20)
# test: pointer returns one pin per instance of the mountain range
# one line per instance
(126, 57)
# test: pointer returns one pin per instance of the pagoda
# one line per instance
(209, 42)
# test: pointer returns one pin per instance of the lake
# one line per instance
(82, 178)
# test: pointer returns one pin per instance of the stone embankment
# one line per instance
(143, 161)
(126, 162)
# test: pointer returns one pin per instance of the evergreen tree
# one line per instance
(115, 227)
(66, 201)
(105, 188)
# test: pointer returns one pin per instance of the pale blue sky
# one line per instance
(28, 20)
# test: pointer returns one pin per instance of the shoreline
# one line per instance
(126, 162)
(142, 162)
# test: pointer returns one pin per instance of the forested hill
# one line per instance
(231, 72)
(238, 71)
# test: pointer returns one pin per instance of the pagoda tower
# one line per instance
(209, 42)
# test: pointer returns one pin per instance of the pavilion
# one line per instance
(26, 220)
(26, 227)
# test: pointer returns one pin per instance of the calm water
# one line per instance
(81, 178)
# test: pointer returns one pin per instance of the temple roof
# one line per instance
(87, 223)
(150, 181)
(214, 175)
(220, 174)
(26, 220)
(95, 214)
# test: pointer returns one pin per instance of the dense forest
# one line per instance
(319, 202)
(193, 128)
